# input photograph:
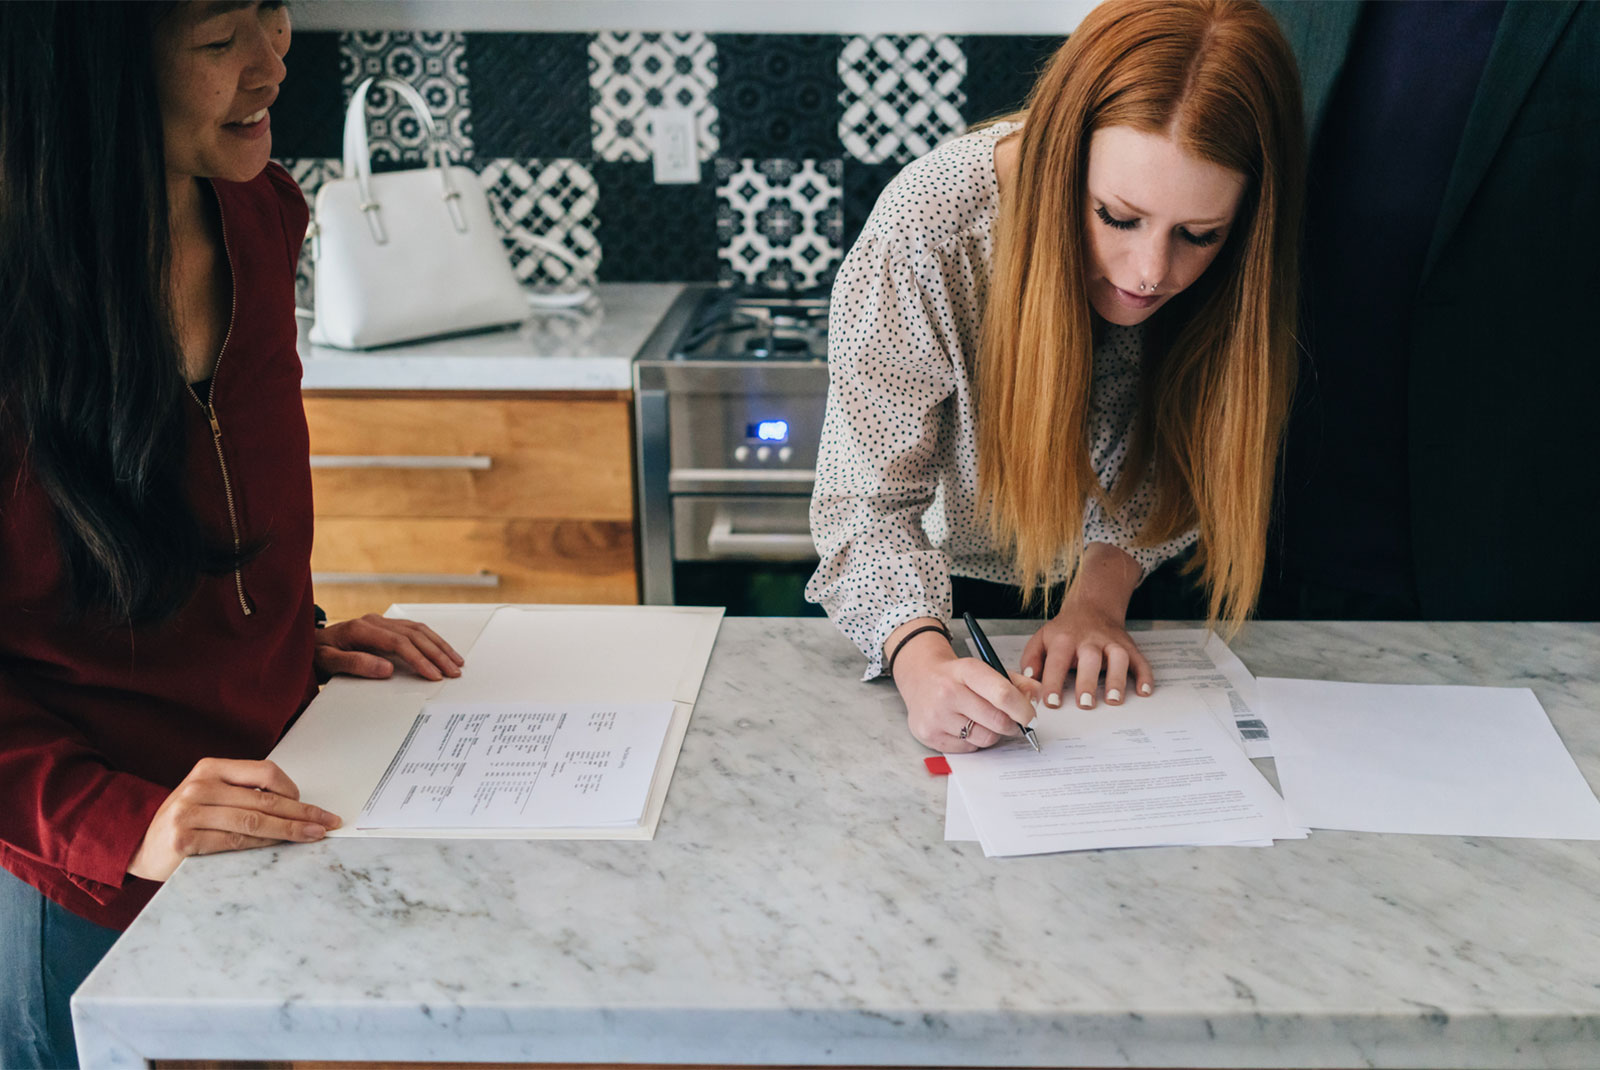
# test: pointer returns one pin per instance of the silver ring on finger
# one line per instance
(966, 728)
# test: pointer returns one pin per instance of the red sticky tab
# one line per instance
(937, 765)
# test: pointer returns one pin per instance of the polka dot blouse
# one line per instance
(896, 510)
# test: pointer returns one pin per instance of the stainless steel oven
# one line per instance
(729, 396)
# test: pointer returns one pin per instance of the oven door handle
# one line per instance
(723, 541)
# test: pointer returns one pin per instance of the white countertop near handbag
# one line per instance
(586, 348)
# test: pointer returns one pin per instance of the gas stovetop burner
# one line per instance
(777, 345)
(737, 327)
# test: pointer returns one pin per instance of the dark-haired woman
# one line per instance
(156, 620)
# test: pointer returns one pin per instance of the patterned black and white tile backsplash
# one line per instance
(632, 73)
(545, 201)
(779, 222)
(902, 96)
(796, 136)
(432, 64)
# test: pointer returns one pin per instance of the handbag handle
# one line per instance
(358, 157)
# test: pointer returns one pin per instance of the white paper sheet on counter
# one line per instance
(1162, 771)
(1430, 759)
(484, 765)
(341, 746)
(958, 826)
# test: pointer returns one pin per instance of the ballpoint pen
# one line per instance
(991, 659)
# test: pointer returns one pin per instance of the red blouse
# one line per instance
(98, 726)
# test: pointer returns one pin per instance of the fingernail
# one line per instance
(313, 832)
(1028, 672)
(1086, 700)
(334, 820)
(1052, 701)
(1113, 695)
(1144, 689)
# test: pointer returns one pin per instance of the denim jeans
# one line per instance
(45, 953)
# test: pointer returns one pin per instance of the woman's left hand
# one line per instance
(1083, 639)
(1090, 634)
(372, 646)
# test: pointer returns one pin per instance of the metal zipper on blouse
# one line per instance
(208, 406)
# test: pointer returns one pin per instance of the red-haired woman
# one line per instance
(1061, 352)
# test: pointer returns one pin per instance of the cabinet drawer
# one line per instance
(364, 565)
(530, 458)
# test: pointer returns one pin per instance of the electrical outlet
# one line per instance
(672, 145)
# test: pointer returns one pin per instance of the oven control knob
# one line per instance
(741, 453)
(785, 453)
(763, 452)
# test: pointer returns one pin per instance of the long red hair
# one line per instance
(1218, 77)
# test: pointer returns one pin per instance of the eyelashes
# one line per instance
(1111, 221)
(1210, 237)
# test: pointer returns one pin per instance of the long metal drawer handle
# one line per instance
(744, 475)
(769, 546)
(408, 579)
(361, 460)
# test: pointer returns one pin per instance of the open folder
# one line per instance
(624, 656)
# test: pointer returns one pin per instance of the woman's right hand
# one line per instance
(942, 692)
(226, 805)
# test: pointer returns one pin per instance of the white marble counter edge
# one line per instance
(810, 1037)
(503, 360)
(379, 373)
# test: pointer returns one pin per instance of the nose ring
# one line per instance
(1142, 286)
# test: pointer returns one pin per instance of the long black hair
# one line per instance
(91, 375)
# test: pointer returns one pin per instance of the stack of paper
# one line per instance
(1157, 771)
(1455, 761)
(1166, 769)
(1172, 768)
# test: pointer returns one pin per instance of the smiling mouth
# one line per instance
(249, 120)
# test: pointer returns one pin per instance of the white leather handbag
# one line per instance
(404, 255)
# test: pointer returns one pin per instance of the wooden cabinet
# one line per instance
(426, 497)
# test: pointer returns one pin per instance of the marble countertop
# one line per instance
(586, 348)
(799, 906)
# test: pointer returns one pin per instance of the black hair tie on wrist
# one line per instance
(912, 634)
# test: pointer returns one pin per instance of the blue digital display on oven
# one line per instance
(770, 431)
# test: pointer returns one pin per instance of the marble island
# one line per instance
(800, 906)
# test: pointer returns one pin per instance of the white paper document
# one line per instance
(521, 765)
(958, 826)
(1192, 658)
(1453, 761)
(572, 657)
(1163, 771)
